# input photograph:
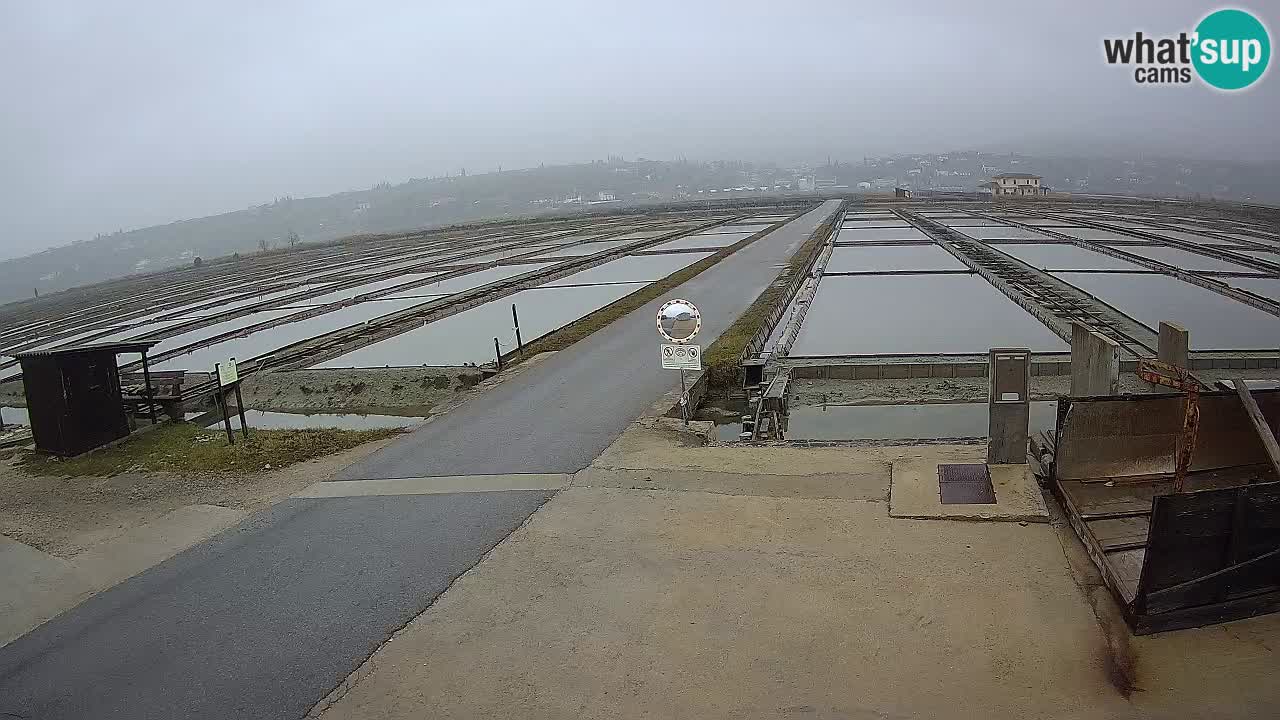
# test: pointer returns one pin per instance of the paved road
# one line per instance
(265, 619)
(557, 417)
(262, 621)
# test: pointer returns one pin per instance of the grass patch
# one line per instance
(572, 333)
(188, 449)
(722, 360)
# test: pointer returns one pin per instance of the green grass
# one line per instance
(722, 360)
(572, 333)
(187, 449)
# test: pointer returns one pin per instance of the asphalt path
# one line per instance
(557, 417)
(265, 619)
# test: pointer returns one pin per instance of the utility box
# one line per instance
(1009, 405)
(74, 398)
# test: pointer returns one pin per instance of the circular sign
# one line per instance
(1232, 49)
(679, 320)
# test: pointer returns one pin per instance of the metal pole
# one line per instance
(497, 351)
(146, 380)
(684, 400)
(516, 319)
(244, 428)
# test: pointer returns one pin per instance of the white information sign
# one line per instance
(227, 373)
(681, 357)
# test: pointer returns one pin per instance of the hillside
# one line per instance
(425, 203)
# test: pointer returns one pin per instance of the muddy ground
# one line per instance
(388, 391)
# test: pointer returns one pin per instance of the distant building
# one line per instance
(1019, 184)
(901, 192)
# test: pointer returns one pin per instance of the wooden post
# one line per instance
(516, 319)
(1259, 423)
(146, 381)
(497, 351)
(222, 404)
(244, 427)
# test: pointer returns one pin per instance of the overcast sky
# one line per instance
(122, 115)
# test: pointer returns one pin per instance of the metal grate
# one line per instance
(968, 484)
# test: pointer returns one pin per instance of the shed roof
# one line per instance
(1027, 176)
(119, 347)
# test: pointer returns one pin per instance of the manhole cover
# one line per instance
(965, 485)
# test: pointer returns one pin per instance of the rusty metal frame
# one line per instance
(1187, 440)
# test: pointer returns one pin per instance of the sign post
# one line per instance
(229, 380)
(679, 322)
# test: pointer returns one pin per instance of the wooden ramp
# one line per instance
(1174, 559)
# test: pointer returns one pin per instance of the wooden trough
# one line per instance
(1183, 551)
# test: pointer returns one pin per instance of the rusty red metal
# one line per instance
(1190, 434)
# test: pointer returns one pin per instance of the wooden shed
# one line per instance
(74, 398)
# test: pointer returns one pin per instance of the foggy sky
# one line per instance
(122, 115)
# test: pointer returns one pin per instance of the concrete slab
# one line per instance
(36, 586)
(436, 485)
(914, 494)
(628, 604)
(153, 543)
(867, 480)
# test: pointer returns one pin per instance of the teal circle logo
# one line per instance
(1232, 49)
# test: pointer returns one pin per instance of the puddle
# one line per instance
(466, 282)
(635, 268)
(714, 240)
(1216, 322)
(1266, 287)
(1065, 257)
(725, 414)
(590, 248)
(1090, 233)
(878, 258)
(903, 422)
(1184, 259)
(297, 421)
(352, 292)
(876, 234)
(272, 420)
(264, 341)
(14, 415)
(1005, 232)
(467, 337)
(916, 314)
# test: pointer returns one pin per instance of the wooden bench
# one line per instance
(166, 388)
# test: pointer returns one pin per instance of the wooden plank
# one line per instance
(1120, 533)
(1126, 568)
(1267, 437)
(1193, 537)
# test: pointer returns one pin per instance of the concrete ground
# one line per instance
(682, 581)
